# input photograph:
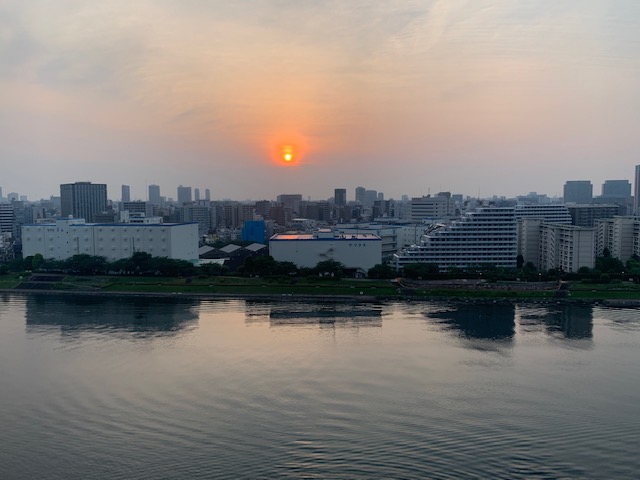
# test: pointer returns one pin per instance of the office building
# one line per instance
(578, 191)
(184, 195)
(360, 194)
(340, 197)
(154, 195)
(207, 194)
(616, 188)
(291, 201)
(144, 208)
(196, 193)
(370, 196)
(426, 209)
(83, 200)
(6, 218)
(126, 193)
(586, 215)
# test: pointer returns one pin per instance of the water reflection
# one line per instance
(561, 321)
(131, 314)
(322, 314)
(487, 321)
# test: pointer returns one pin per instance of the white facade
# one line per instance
(549, 213)
(529, 240)
(619, 235)
(387, 233)
(486, 236)
(566, 247)
(429, 208)
(549, 245)
(68, 237)
(361, 251)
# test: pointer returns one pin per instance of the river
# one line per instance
(136, 388)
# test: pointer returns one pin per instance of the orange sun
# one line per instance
(287, 153)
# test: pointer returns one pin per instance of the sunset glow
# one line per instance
(400, 96)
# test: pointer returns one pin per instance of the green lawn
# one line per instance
(11, 280)
(316, 286)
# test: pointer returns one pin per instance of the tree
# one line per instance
(86, 264)
(420, 270)
(519, 261)
(37, 262)
(382, 271)
(330, 268)
(609, 264)
(213, 269)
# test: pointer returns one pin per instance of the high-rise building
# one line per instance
(616, 188)
(431, 208)
(292, 201)
(636, 192)
(83, 199)
(138, 206)
(586, 215)
(6, 218)
(126, 193)
(360, 195)
(154, 195)
(370, 196)
(578, 191)
(207, 194)
(553, 245)
(340, 197)
(196, 193)
(184, 195)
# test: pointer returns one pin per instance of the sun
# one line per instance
(288, 153)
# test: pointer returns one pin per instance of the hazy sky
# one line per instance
(404, 97)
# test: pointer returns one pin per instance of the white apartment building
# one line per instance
(566, 247)
(549, 213)
(485, 236)
(354, 250)
(620, 235)
(72, 236)
(552, 245)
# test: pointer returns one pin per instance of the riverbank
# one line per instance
(326, 290)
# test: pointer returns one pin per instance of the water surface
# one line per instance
(152, 388)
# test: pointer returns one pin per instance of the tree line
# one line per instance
(607, 268)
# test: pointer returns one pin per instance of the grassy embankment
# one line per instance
(229, 285)
(11, 280)
(328, 287)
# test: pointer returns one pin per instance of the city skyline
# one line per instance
(351, 195)
(490, 97)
